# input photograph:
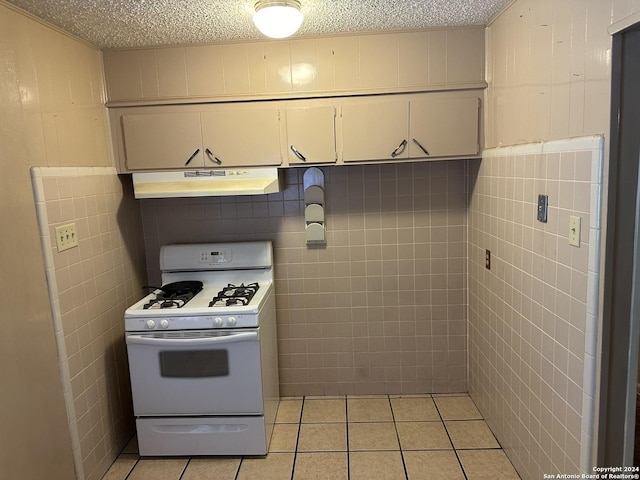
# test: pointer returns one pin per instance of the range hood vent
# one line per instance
(206, 183)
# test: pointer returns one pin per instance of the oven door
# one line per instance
(204, 372)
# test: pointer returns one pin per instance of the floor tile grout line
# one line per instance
(237, 475)
(295, 450)
(395, 427)
(464, 473)
(184, 470)
(346, 427)
(132, 468)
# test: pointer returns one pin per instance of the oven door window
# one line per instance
(194, 363)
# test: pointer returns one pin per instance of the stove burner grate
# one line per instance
(173, 296)
(234, 295)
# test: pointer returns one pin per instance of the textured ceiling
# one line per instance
(135, 23)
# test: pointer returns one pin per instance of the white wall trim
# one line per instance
(623, 24)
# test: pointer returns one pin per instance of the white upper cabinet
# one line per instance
(444, 126)
(390, 128)
(162, 140)
(432, 125)
(241, 137)
(375, 130)
(311, 134)
(219, 137)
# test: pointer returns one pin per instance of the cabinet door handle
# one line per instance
(298, 154)
(212, 157)
(193, 155)
(399, 149)
(426, 152)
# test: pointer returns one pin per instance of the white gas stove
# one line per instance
(206, 286)
(203, 352)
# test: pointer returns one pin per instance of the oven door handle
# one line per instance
(177, 342)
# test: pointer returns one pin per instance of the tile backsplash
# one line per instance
(90, 287)
(381, 308)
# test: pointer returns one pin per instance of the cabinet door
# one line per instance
(241, 137)
(162, 140)
(311, 134)
(443, 127)
(375, 131)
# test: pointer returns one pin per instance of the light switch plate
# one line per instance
(66, 237)
(574, 230)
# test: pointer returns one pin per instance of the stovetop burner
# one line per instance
(235, 295)
(174, 295)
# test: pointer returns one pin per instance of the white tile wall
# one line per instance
(532, 317)
(549, 68)
(90, 287)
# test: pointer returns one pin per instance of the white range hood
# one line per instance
(206, 183)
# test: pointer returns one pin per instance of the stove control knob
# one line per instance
(218, 322)
(150, 324)
(164, 323)
(231, 321)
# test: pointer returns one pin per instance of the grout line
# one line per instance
(295, 451)
(132, 468)
(346, 426)
(455, 452)
(184, 470)
(235, 477)
(395, 427)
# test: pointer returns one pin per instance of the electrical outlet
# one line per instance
(574, 230)
(66, 237)
(487, 259)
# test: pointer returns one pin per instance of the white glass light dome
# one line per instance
(278, 19)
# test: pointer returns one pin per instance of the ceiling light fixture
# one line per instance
(278, 18)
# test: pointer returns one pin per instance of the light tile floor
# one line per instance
(383, 437)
